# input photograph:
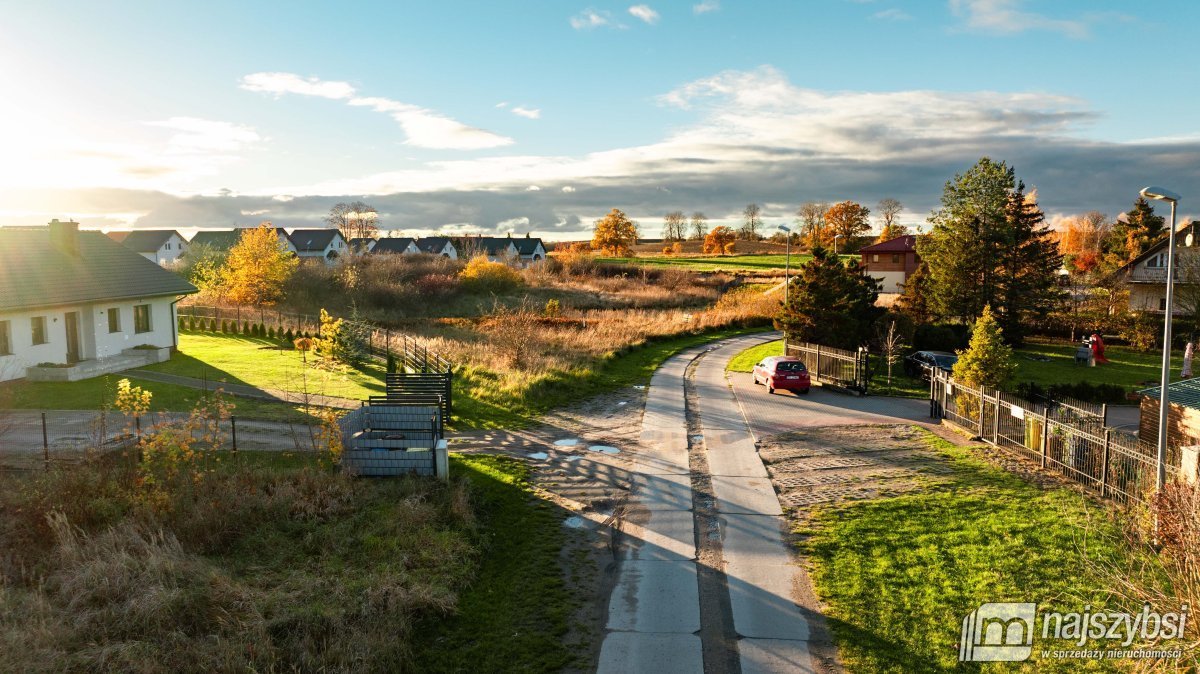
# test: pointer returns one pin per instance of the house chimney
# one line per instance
(65, 236)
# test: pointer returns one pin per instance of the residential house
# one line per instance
(438, 245)
(326, 245)
(1146, 275)
(81, 304)
(530, 249)
(496, 249)
(361, 245)
(397, 245)
(225, 239)
(891, 262)
(1183, 413)
(163, 246)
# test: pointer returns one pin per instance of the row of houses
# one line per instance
(166, 246)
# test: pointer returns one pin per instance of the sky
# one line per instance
(541, 116)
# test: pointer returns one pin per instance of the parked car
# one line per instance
(782, 372)
(921, 363)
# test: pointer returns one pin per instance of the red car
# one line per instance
(782, 372)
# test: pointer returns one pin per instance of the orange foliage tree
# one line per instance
(615, 234)
(258, 267)
(720, 240)
(848, 219)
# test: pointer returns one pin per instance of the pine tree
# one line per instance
(914, 300)
(987, 361)
(830, 303)
(1134, 234)
(1029, 267)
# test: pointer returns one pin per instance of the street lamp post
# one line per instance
(1162, 194)
(835, 238)
(787, 265)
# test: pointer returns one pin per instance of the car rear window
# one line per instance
(946, 361)
(790, 366)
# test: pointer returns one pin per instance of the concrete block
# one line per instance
(655, 596)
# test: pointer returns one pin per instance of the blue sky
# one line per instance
(540, 116)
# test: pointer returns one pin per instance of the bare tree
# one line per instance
(888, 210)
(699, 226)
(751, 222)
(355, 219)
(892, 345)
(811, 218)
(675, 226)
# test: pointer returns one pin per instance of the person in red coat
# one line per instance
(1098, 348)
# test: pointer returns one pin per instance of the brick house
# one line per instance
(891, 262)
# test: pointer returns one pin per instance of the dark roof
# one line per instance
(42, 275)
(900, 244)
(143, 240)
(528, 245)
(432, 244)
(397, 244)
(313, 240)
(491, 245)
(219, 239)
(360, 243)
(1185, 393)
(1180, 236)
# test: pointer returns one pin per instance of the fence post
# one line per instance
(45, 443)
(996, 421)
(982, 407)
(1045, 436)
(233, 431)
(1104, 413)
(818, 368)
(1104, 465)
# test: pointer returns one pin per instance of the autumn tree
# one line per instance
(615, 234)
(674, 226)
(988, 361)
(257, 268)
(355, 219)
(751, 222)
(811, 219)
(699, 226)
(720, 240)
(889, 227)
(1082, 241)
(848, 219)
(830, 303)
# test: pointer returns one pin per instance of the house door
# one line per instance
(71, 322)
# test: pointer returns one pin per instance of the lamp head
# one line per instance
(1160, 193)
(785, 228)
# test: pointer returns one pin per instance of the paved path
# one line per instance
(246, 391)
(654, 617)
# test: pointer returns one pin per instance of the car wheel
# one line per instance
(771, 390)
(805, 391)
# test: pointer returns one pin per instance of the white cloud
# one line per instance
(590, 18)
(645, 13)
(567, 189)
(893, 14)
(706, 6)
(502, 104)
(423, 127)
(1004, 17)
(527, 113)
(290, 83)
(204, 135)
(255, 212)
(533, 188)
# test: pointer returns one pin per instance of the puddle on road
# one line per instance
(639, 387)
(573, 522)
(622, 403)
(566, 442)
(540, 456)
(697, 438)
(604, 449)
(572, 457)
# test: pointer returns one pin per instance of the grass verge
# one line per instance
(899, 574)
(484, 402)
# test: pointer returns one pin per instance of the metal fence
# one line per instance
(1064, 438)
(825, 364)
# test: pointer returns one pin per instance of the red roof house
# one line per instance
(892, 262)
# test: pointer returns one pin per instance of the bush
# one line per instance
(289, 336)
(246, 329)
(391, 363)
(1084, 391)
(495, 277)
(191, 322)
(437, 285)
(271, 333)
(942, 337)
(225, 326)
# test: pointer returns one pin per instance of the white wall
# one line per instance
(95, 340)
(891, 281)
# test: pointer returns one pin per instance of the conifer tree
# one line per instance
(830, 303)
(988, 361)
(1030, 262)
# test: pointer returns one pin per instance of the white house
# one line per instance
(323, 244)
(438, 245)
(530, 249)
(362, 245)
(226, 239)
(82, 304)
(396, 245)
(1146, 275)
(496, 249)
(163, 246)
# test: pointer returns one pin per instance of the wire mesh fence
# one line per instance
(1068, 438)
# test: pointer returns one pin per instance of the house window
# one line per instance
(874, 258)
(5, 338)
(38, 323)
(114, 320)
(895, 258)
(141, 318)
(1162, 304)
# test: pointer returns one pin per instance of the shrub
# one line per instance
(191, 322)
(246, 329)
(271, 333)
(552, 310)
(391, 363)
(341, 341)
(225, 326)
(438, 285)
(496, 277)
(289, 336)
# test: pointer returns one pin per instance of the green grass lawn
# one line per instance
(482, 402)
(766, 262)
(899, 574)
(260, 363)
